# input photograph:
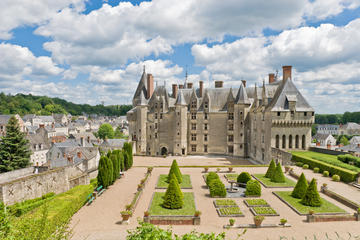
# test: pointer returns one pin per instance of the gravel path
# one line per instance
(101, 219)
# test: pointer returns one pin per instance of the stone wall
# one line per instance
(9, 176)
(326, 151)
(282, 156)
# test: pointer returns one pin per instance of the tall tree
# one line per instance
(105, 131)
(14, 148)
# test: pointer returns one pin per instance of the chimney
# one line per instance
(201, 88)
(88, 139)
(79, 154)
(181, 86)
(82, 142)
(174, 90)
(53, 125)
(189, 85)
(219, 84)
(271, 78)
(41, 125)
(150, 86)
(358, 145)
(286, 72)
(244, 82)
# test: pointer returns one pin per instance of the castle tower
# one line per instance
(181, 117)
(141, 115)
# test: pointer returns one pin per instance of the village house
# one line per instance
(350, 128)
(4, 119)
(324, 140)
(327, 129)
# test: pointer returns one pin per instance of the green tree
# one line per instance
(312, 197)
(105, 131)
(121, 161)
(278, 175)
(127, 160)
(14, 148)
(253, 188)
(102, 177)
(174, 169)
(110, 170)
(271, 169)
(115, 163)
(173, 198)
(344, 141)
(128, 148)
(300, 188)
(217, 188)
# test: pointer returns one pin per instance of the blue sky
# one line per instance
(93, 51)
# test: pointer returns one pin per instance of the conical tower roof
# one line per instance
(180, 99)
(241, 97)
(142, 101)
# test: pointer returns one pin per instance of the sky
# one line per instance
(93, 51)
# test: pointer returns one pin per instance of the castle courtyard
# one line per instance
(102, 219)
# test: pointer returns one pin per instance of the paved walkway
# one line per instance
(101, 219)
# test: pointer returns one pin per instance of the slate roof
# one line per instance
(351, 148)
(4, 119)
(350, 125)
(118, 143)
(321, 136)
(355, 140)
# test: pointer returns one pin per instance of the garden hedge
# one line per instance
(217, 188)
(244, 177)
(253, 188)
(345, 175)
(278, 175)
(271, 169)
(300, 188)
(312, 197)
(173, 198)
(348, 158)
(211, 176)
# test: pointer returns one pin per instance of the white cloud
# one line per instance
(321, 9)
(17, 13)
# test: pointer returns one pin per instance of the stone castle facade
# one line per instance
(245, 122)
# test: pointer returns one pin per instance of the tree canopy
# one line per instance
(105, 131)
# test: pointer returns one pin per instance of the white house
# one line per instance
(324, 139)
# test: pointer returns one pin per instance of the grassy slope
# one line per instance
(186, 182)
(188, 209)
(326, 207)
(268, 183)
(327, 158)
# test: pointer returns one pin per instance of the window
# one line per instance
(206, 105)
(292, 114)
(241, 113)
(161, 115)
(193, 126)
(193, 137)
(35, 146)
(205, 116)
(241, 146)
(241, 123)
(205, 148)
(305, 114)
(231, 138)
(231, 149)
(312, 114)
(155, 115)
(231, 116)
(263, 138)
(193, 104)
(193, 116)
(178, 113)
(205, 137)
(231, 127)
(161, 105)
(205, 126)
(155, 125)
(155, 135)
(58, 155)
(155, 105)
(277, 141)
(279, 114)
(178, 133)
(241, 134)
(193, 148)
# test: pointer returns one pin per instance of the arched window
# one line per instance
(297, 141)
(290, 141)
(277, 139)
(303, 142)
(283, 141)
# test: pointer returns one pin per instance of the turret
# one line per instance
(180, 136)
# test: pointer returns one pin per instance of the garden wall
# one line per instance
(283, 156)
(326, 151)
(331, 218)
(340, 198)
(172, 220)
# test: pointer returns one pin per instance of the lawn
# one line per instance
(188, 209)
(326, 207)
(186, 182)
(326, 158)
(256, 202)
(266, 181)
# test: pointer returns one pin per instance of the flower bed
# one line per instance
(256, 202)
(229, 212)
(266, 182)
(224, 203)
(264, 211)
(162, 184)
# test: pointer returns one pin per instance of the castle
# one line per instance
(245, 122)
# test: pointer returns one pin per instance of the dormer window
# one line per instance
(206, 104)
(305, 114)
(193, 104)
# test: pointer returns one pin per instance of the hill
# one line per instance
(337, 118)
(28, 104)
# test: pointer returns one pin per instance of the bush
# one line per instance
(173, 198)
(211, 176)
(174, 169)
(348, 158)
(217, 188)
(305, 166)
(325, 173)
(278, 175)
(128, 149)
(336, 178)
(244, 177)
(300, 188)
(253, 188)
(299, 164)
(316, 170)
(312, 197)
(345, 175)
(271, 169)
(94, 182)
(231, 221)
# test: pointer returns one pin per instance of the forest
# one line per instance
(42, 105)
(337, 118)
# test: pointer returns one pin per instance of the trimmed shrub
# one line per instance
(244, 177)
(211, 176)
(110, 170)
(300, 188)
(104, 177)
(115, 164)
(311, 197)
(345, 175)
(217, 188)
(271, 169)
(278, 175)
(174, 169)
(348, 158)
(336, 178)
(316, 170)
(94, 182)
(299, 164)
(121, 161)
(325, 173)
(128, 149)
(305, 166)
(253, 188)
(173, 198)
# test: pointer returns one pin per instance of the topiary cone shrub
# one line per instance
(278, 175)
(312, 197)
(175, 170)
(211, 176)
(244, 177)
(253, 188)
(217, 188)
(173, 198)
(271, 169)
(300, 188)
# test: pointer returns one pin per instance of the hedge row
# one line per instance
(21, 208)
(345, 175)
(347, 158)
